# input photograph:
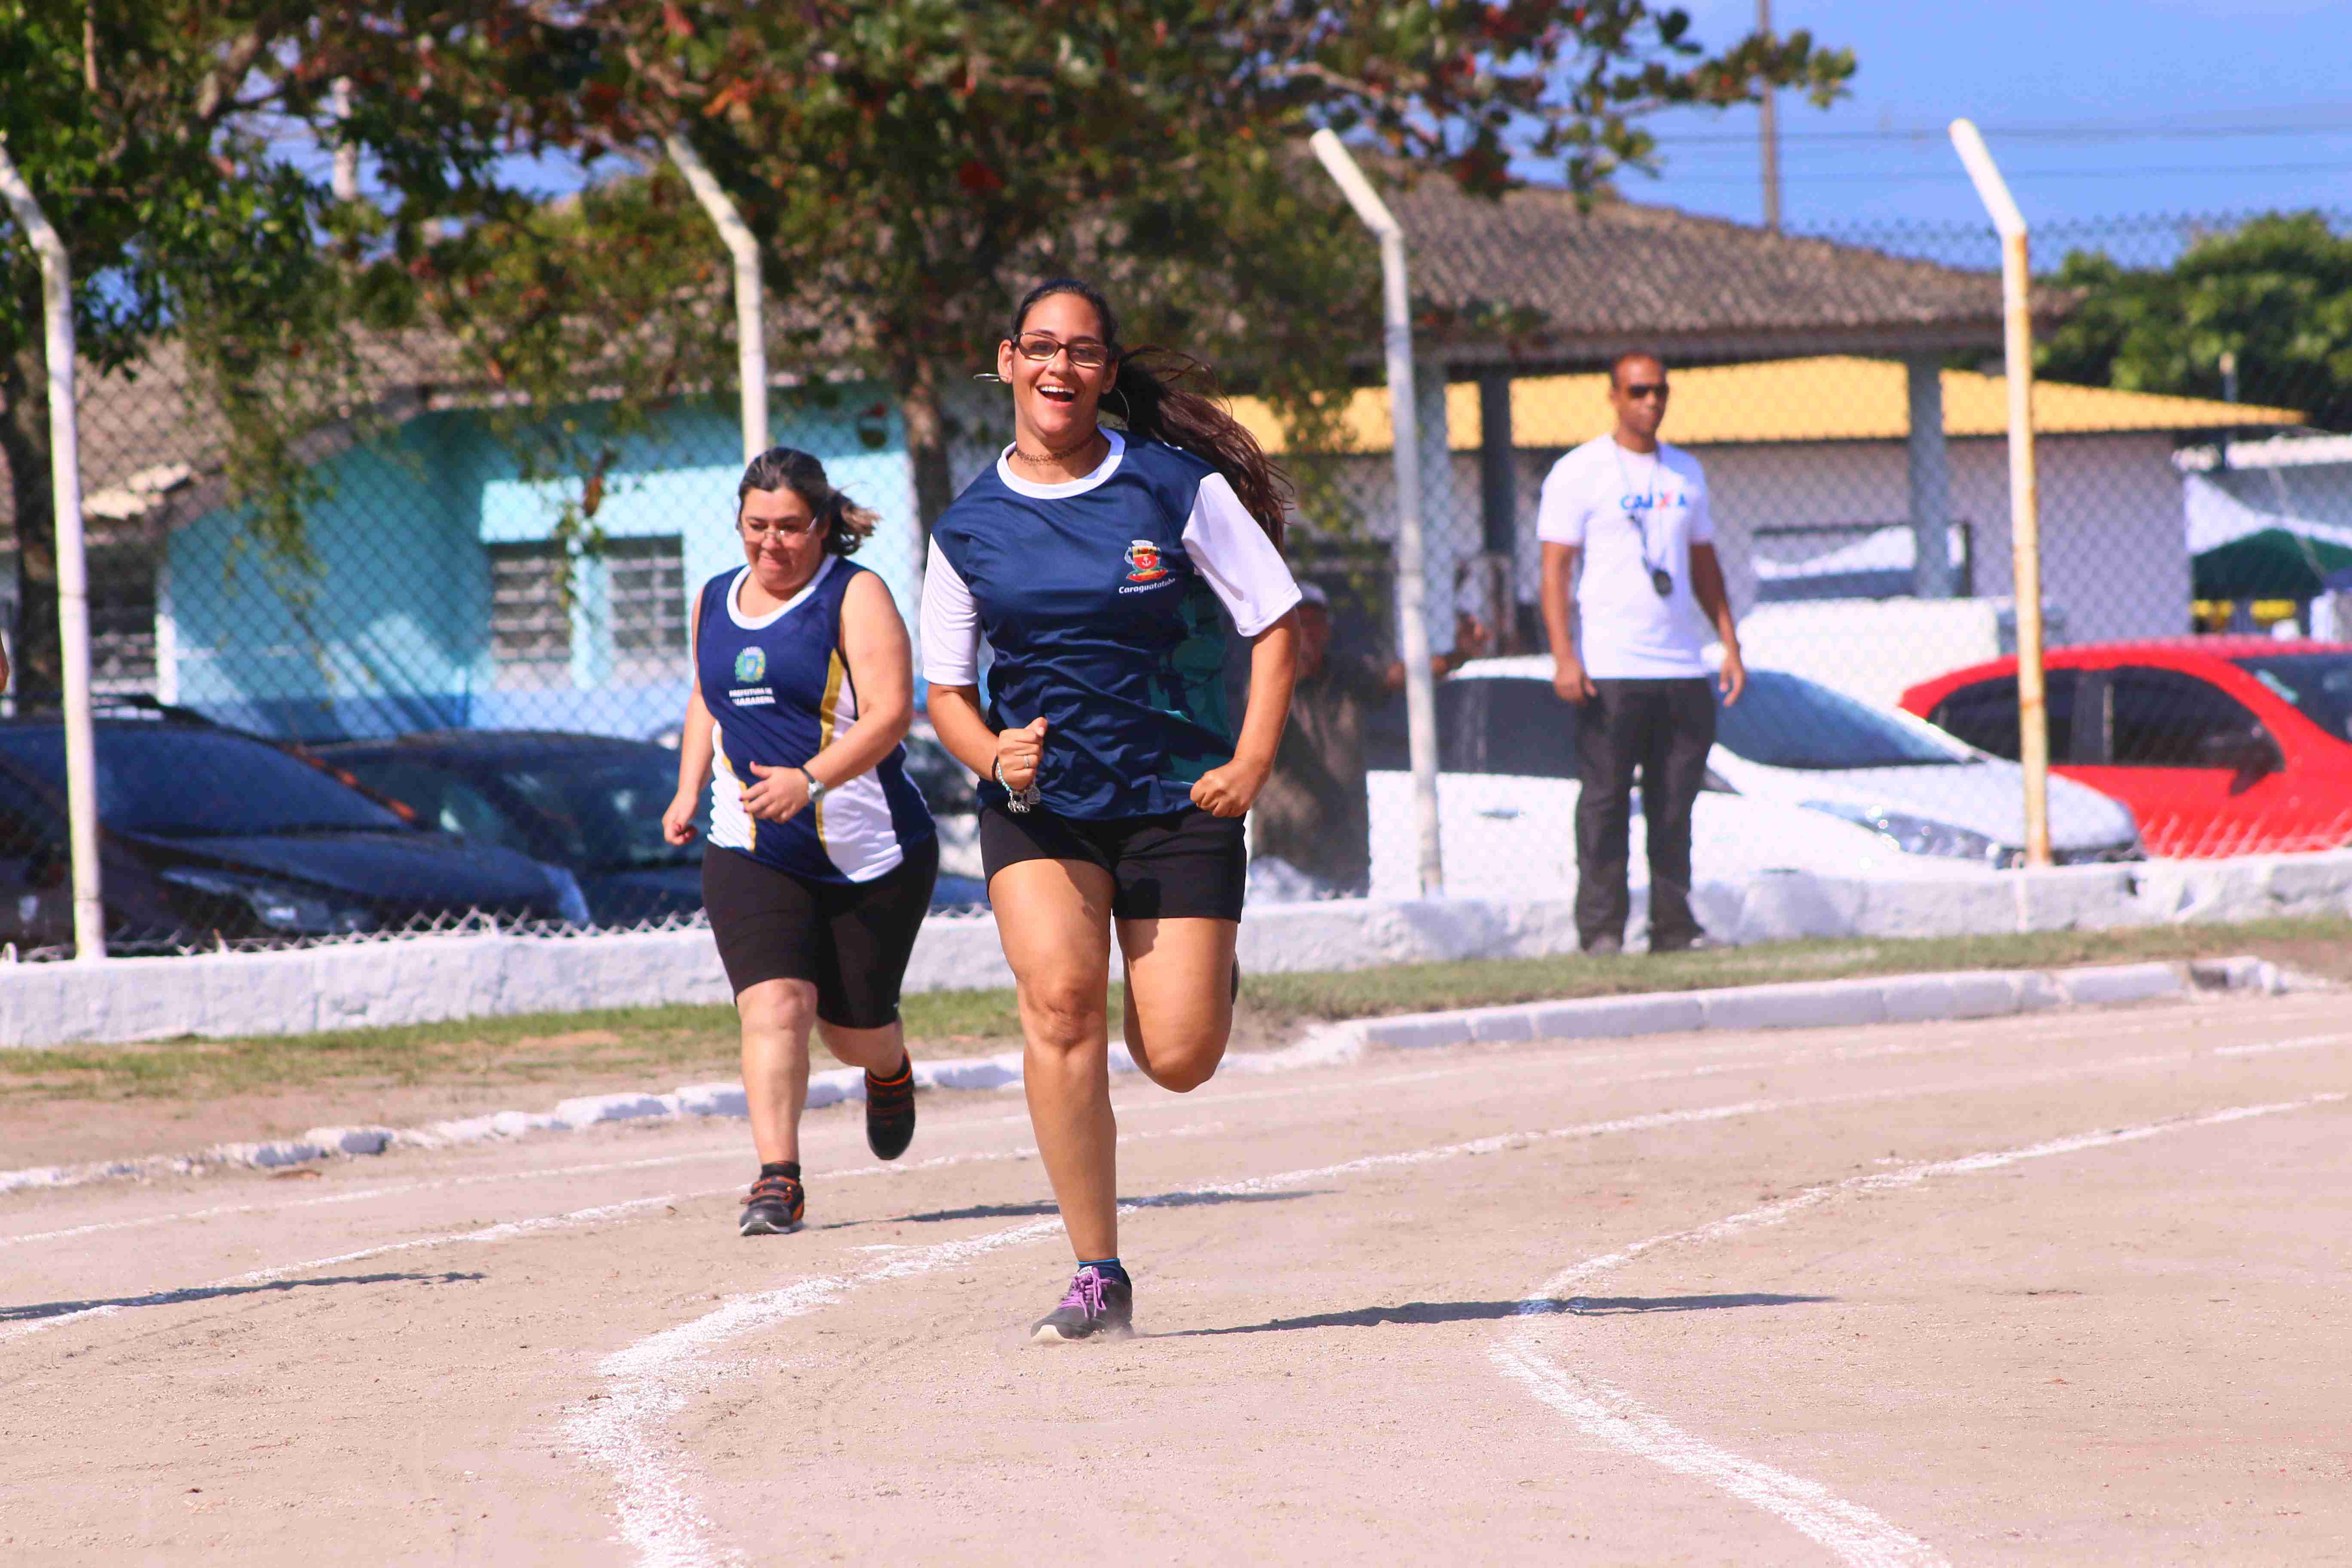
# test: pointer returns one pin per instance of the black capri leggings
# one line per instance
(850, 940)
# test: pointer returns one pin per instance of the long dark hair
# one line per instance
(1161, 395)
(847, 524)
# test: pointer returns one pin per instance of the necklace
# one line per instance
(1053, 457)
(1660, 578)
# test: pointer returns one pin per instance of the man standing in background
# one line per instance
(1630, 655)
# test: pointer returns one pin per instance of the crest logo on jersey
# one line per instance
(751, 665)
(1143, 562)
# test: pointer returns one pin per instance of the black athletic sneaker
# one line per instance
(890, 1112)
(1095, 1306)
(773, 1206)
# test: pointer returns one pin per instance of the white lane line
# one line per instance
(509, 1230)
(2308, 1042)
(1854, 1533)
(618, 1430)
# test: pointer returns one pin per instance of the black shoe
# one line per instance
(773, 1206)
(1696, 942)
(1603, 947)
(890, 1112)
(1098, 1305)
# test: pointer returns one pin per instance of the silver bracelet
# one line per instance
(1020, 799)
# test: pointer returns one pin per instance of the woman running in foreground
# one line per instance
(1100, 566)
(822, 853)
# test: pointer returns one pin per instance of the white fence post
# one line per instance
(1404, 440)
(73, 570)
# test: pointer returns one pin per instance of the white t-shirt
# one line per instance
(1630, 513)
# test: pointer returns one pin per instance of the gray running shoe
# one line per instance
(1096, 1307)
(773, 1206)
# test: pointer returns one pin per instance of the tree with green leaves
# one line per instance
(911, 165)
(2276, 293)
(164, 142)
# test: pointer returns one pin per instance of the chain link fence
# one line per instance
(499, 659)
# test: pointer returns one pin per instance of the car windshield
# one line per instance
(2318, 684)
(1786, 722)
(605, 811)
(187, 784)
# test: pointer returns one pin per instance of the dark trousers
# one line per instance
(1664, 728)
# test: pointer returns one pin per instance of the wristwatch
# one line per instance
(1020, 799)
(816, 787)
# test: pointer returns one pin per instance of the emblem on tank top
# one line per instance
(751, 665)
(1143, 563)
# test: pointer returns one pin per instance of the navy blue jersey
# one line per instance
(1110, 602)
(782, 691)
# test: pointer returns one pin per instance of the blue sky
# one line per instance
(2201, 106)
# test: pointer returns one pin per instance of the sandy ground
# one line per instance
(2047, 1290)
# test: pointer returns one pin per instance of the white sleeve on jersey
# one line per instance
(1228, 547)
(950, 625)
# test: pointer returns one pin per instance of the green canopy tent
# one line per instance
(2273, 563)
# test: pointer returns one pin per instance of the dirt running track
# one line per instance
(2058, 1289)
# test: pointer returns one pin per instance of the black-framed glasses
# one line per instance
(1086, 353)
(1642, 391)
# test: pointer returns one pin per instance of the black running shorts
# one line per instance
(850, 940)
(1179, 865)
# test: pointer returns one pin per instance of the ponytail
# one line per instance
(1161, 395)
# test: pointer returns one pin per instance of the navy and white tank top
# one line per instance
(782, 691)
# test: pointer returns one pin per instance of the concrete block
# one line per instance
(1417, 1031)
(976, 1072)
(350, 1140)
(1916, 998)
(1934, 905)
(1784, 906)
(2072, 898)
(2309, 884)
(2244, 973)
(2113, 983)
(1613, 1017)
(1825, 1004)
(711, 1100)
(1502, 1026)
(588, 1109)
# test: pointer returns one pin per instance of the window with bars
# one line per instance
(530, 614)
(645, 585)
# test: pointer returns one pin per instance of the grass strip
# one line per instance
(682, 1043)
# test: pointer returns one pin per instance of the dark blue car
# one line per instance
(592, 803)
(208, 834)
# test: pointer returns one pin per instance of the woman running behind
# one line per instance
(822, 853)
(1099, 567)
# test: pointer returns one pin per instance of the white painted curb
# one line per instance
(1910, 998)
(429, 979)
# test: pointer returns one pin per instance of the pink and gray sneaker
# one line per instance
(1099, 1306)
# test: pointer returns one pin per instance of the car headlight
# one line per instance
(1916, 834)
(571, 903)
(279, 906)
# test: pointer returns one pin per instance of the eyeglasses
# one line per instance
(757, 527)
(1086, 353)
(1642, 391)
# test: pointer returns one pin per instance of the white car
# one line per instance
(1801, 778)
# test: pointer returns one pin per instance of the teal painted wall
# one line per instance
(393, 631)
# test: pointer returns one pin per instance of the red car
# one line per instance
(2219, 745)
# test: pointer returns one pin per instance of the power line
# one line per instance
(1954, 174)
(2169, 132)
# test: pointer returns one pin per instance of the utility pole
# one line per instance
(1767, 127)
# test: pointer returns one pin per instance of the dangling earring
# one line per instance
(1126, 414)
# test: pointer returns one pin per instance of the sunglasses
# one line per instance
(1642, 391)
(1086, 353)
